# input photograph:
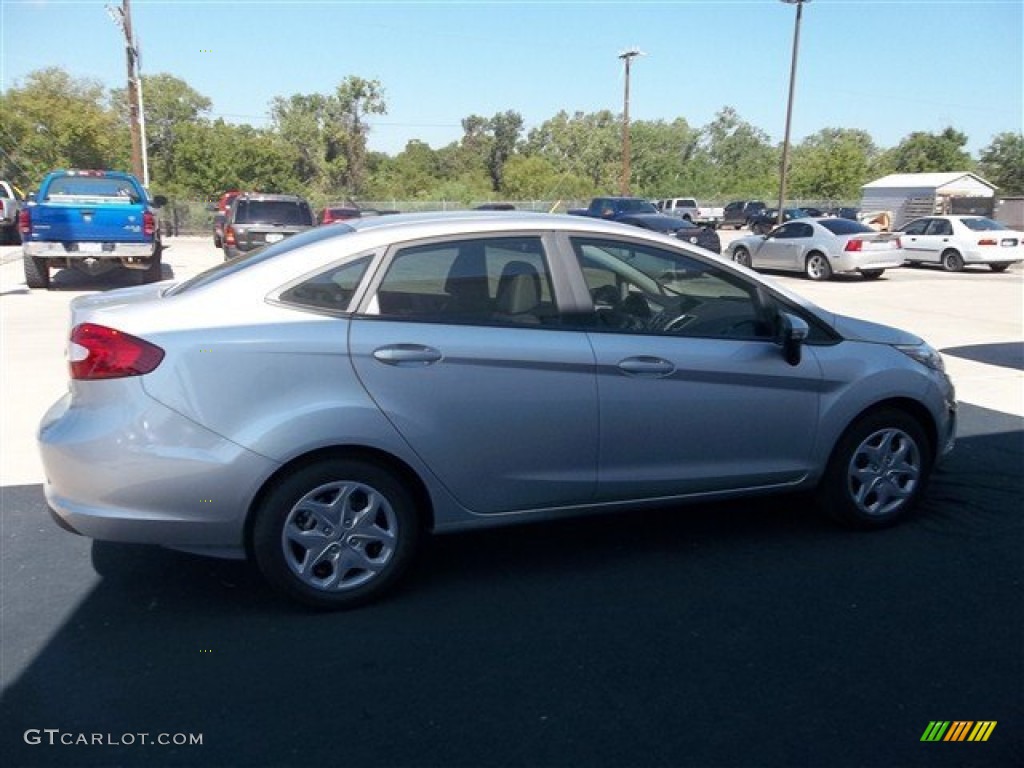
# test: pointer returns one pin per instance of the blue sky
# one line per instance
(886, 66)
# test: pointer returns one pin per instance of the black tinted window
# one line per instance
(844, 226)
(332, 289)
(273, 212)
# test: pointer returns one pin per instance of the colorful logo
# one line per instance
(959, 730)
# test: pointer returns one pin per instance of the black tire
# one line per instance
(999, 267)
(871, 274)
(37, 272)
(12, 235)
(817, 266)
(367, 522)
(742, 256)
(952, 261)
(859, 493)
(216, 241)
(152, 273)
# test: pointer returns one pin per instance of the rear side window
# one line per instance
(331, 290)
(487, 281)
(282, 212)
(982, 225)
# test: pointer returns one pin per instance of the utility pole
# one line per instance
(136, 114)
(784, 171)
(626, 57)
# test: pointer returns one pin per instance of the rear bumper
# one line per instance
(129, 469)
(867, 260)
(42, 249)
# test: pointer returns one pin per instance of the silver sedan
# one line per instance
(821, 248)
(321, 404)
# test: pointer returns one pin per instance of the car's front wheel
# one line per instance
(741, 256)
(999, 267)
(336, 533)
(877, 471)
(871, 274)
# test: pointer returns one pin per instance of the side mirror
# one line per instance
(793, 331)
(159, 201)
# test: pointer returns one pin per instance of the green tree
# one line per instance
(922, 152)
(832, 164)
(586, 146)
(330, 134)
(1002, 163)
(168, 102)
(740, 155)
(56, 121)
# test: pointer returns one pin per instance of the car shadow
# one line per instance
(1008, 354)
(70, 279)
(580, 642)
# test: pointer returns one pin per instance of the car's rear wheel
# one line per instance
(153, 273)
(817, 267)
(741, 256)
(999, 267)
(877, 471)
(952, 261)
(871, 274)
(336, 533)
(37, 272)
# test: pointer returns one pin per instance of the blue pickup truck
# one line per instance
(92, 221)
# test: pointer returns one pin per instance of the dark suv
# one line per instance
(255, 220)
(739, 212)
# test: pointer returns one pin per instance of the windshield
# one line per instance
(273, 212)
(981, 224)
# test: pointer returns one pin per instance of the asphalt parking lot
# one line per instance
(749, 633)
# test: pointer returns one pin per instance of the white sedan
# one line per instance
(820, 248)
(959, 241)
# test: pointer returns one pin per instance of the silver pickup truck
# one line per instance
(11, 201)
(688, 209)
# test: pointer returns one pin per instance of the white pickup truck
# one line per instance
(687, 208)
(11, 201)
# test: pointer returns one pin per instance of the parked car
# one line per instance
(688, 208)
(93, 221)
(495, 207)
(220, 213)
(683, 229)
(844, 212)
(814, 213)
(762, 222)
(255, 220)
(11, 202)
(338, 212)
(959, 241)
(738, 213)
(821, 248)
(320, 404)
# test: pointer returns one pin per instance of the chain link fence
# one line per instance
(192, 217)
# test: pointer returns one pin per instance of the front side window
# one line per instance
(791, 230)
(486, 281)
(639, 288)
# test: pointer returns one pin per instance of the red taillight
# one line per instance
(25, 222)
(229, 235)
(988, 241)
(148, 223)
(854, 245)
(98, 352)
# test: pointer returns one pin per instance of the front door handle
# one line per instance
(408, 355)
(649, 367)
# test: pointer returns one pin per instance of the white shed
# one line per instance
(907, 196)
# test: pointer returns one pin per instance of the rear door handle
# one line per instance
(408, 355)
(644, 365)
